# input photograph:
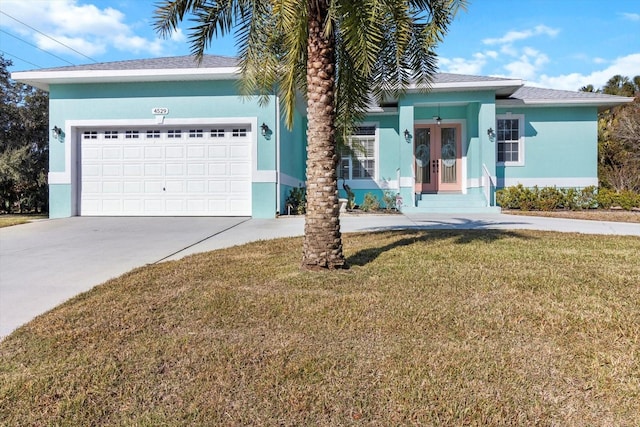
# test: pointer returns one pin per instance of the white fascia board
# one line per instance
(43, 79)
(471, 85)
(603, 103)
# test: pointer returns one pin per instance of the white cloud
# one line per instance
(626, 66)
(471, 66)
(631, 16)
(83, 27)
(513, 36)
(527, 65)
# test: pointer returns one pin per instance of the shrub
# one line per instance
(626, 199)
(370, 203)
(297, 201)
(389, 199)
(549, 199)
(552, 198)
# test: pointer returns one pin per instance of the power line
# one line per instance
(45, 51)
(48, 36)
(20, 59)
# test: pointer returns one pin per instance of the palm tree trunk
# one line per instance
(322, 239)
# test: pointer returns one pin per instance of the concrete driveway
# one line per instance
(44, 263)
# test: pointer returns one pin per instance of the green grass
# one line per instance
(426, 328)
(9, 220)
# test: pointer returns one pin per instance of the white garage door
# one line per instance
(166, 171)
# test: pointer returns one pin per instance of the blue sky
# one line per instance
(561, 44)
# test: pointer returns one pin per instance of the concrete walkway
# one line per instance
(44, 263)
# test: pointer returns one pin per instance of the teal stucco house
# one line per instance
(167, 137)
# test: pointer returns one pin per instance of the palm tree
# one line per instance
(337, 52)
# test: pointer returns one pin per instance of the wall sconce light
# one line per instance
(264, 129)
(57, 133)
(437, 118)
(407, 135)
(491, 133)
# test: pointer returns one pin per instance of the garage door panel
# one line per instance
(112, 153)
(91, 171)
(153, 187)
(111, 187)
(153, 169)
(195, 152)
(132, 153)
(131, 170)
(174, 169)
(112, 205)
(174, 152)
(131, 206)
(129, 187)
(207, 174)
(218, 169)
(153, 152)
(111, 170)
(239, 152)
(175, 205)
(154, 206)
(195, 169)
(238, 169)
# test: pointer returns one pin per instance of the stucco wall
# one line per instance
(560, 148)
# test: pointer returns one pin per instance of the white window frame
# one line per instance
(521, 139)
(375, 157)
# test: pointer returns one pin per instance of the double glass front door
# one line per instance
(437, 154)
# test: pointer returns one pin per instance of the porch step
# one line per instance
(452, 203)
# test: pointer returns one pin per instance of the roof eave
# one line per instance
(602, 104)
(44, 79)
(503, 88)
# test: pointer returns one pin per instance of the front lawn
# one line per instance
(448, 327)
(587, 214)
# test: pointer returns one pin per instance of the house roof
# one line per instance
(510, 92)
(536, 96)
(177, 68)
(168, 63)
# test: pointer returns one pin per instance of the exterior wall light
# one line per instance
(491, 133)
(407, 135)
(57, 133)
(264, 129)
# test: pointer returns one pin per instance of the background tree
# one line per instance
(619, 137)
(24, 151)
(333, 52)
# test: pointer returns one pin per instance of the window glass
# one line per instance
(357, 159)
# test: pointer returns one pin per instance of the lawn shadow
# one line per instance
(420, 234)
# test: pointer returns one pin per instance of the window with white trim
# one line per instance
(510, 139)
(90, 134)
(217, 133)
(196, 133)
(153, 134)
(239, 132)
(358, 159)
(131, 134)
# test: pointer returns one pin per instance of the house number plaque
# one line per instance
(160, 111)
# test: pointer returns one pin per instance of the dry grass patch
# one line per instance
(9, 220)
(593, 215)
(426, 328)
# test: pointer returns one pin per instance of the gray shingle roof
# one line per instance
(529, 93)
(175, 62)
(459, 78)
